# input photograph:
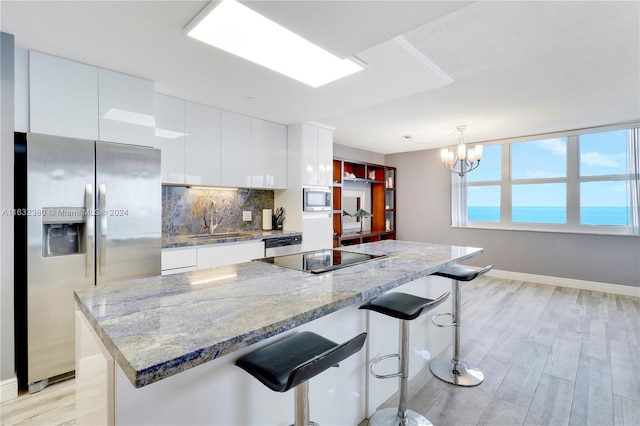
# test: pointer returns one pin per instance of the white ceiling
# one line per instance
(505, 69)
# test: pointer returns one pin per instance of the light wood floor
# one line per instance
(550, 355)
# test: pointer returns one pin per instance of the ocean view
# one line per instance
(588, 215)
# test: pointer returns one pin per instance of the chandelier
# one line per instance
(460, 159)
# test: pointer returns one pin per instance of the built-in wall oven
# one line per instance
(280, 246)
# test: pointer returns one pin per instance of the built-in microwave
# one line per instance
(316, 199)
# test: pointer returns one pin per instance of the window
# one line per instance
(483, 192)
(605, 189)
(539, 159)
(581, 181)
(539, 203)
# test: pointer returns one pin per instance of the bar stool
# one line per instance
(292, 361)
(405, 307)
(456, 371)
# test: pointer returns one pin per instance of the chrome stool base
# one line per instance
(389, 416)
(460, 373)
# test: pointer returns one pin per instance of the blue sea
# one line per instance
(588, 215)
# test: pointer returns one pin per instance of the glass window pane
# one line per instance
(483, 203)
(539, 203)
(489, 168)
(605, 203)
(604, 153)
(539, 159)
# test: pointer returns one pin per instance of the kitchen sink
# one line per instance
(221, 235)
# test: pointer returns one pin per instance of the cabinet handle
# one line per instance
(89, 227)
(102, 254)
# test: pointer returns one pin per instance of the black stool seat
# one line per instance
(297, 358)
(402, 305)
(461, 274)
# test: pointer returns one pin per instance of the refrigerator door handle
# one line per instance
(102, 200)
(90, 218)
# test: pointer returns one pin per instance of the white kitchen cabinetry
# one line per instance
(317, 155)
(246, 252)
(325, 157)
(182, 259)
(63, 97)
(310, 163)
(235, 165)
(215, 255)
(170, 137)
(268, 154)
(202, 144)
(317, 231)
(21, 90)
(126, 108)
(227, 254)
(94, 377)
(68, 98)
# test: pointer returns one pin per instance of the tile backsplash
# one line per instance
(184, 209)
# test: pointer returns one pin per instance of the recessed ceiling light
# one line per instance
(235, 28)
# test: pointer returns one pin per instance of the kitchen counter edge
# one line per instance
(188, 241)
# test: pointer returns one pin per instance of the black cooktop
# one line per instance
(320, 261)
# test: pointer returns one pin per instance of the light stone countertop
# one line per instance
(160, 326)
(221, 238)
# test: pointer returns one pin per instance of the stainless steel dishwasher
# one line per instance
(280, 246)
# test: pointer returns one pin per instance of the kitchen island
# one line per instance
(163, 331)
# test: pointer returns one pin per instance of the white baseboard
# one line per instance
(623, 290)
(8, 389)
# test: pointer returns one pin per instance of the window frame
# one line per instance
(572, 180)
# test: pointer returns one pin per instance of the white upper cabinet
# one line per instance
(67, 98)
(317, 155)
(309, 155)
(202, 144)
(235, 164)
(21, 90)
(126, 108)
(63, 97)
(170, 137)
(325, 156)
(268, 154)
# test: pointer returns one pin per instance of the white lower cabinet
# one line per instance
(178, 260)
(215, 255)
(185, 259)
(246, 252)
(95, 377)
(228, 254)
(317, 231)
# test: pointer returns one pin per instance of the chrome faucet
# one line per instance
(208, 221)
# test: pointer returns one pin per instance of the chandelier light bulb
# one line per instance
(461, 161)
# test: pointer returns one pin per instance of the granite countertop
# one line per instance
(157, 327)
(221, 238)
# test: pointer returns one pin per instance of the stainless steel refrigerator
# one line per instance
(87, 213)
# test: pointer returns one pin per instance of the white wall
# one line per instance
(8, 387)
(349, 153)
(424, 214)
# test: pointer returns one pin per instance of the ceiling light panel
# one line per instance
(236, 29)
